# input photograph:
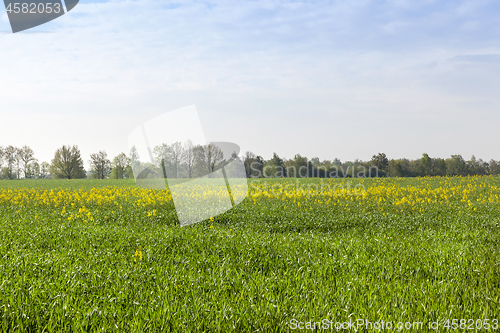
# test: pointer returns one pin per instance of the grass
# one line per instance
(128, 266)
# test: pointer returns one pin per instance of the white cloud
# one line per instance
(279, 65)
(4, 18)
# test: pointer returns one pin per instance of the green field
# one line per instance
(87, 255)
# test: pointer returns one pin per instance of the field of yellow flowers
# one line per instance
(88, 255)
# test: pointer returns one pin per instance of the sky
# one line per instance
(327, 79)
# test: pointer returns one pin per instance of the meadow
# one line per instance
(90, 255)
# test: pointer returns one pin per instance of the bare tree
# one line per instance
(1, 159)
(101, 166)
(18, 163)
(215, 156)
(168, 158)
(162, 153)
(188, 157)
(44, 170)
(25, 155)
(10, 156)
(175, 157)
(208, 157)
(134, 158)
(32, 170)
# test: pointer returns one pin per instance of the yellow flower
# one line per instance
(138, 254)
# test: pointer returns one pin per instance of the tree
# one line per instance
(254, 165)
(236, 168)
(476, 167)
(32, 170)
(456, 166)
(439, 167)
(336, 161)
(100, 165)
(67, 163)
(381, 162)
(299, 165)
(10, 156)
(188, 157)
(1, 162)
(134, 157)
(175, 157)
(135, 162)
(26, 156)
(214, 156)
(425, 165)
(275, 167)
(45, 170)
(399, 168)
(494, 167)
(119, 166)
(162, 153)
(168, 158)
(207, 158)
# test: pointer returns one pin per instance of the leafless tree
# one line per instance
(162, 153)
(188, 157)
(10, 156)
(213, 156)
(44, 170)
(175, 157)
(26, 155)
(168, 158)
(101, 166)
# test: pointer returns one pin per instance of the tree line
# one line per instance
(17, 163)
(191, 161)
(379, 166)
(173, 161)
(187, 161)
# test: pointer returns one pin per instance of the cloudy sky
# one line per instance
(345, 79)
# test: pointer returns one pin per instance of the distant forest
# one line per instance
(188, 161)
(379, 166)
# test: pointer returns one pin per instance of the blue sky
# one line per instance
(320, 78)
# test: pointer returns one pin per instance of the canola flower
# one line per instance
(394, 195)
(382, 195)
(87, 204)
(66, 198)
(138, 254)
